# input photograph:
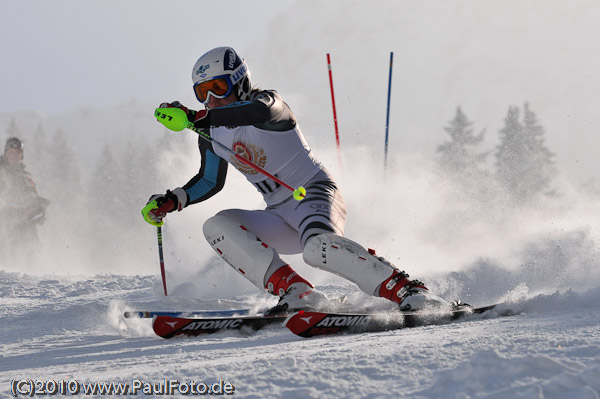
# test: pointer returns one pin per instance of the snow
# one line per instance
(64, 328)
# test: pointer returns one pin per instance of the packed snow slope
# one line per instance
(73, 329)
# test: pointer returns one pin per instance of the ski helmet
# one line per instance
(218, 73)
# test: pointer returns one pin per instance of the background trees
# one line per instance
(460, 157)
(524, 167)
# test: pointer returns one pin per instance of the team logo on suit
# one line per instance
(252, 153)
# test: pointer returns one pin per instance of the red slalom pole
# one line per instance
(337, 134)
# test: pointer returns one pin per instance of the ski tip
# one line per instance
(166, 326)
(291, 316)
(136, 314)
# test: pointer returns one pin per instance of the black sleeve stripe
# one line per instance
(328, 184)
(326, 217)
(266, 111)
(315, 228)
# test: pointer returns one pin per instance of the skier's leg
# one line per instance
(258, 261)
(270, 227)
(320, 220)
(374, 275)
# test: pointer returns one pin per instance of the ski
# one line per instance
(310, 324)
(166, 326)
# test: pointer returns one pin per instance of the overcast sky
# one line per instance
(63, 54)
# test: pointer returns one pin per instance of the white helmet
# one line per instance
(218, 73)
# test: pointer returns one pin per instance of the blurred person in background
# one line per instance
(21, 207)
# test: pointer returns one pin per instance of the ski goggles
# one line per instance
(219, 87)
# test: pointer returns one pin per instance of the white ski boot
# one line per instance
(419, 298)
(411, 295)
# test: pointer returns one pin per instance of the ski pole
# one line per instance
(176, 119)
(161, 257)
(149, 206)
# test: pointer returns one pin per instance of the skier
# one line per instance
(259, 125)
(21, 209)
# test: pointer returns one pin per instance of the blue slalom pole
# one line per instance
(387, 118)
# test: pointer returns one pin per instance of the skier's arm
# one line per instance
(211, 177)
(266, 110)
(205, 184)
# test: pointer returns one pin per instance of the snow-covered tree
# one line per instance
(35, 157)
(460, 157)
(105, 184)
(108, 213)
(524, 165)
(64, 167)
(136, 169)
(39, 144)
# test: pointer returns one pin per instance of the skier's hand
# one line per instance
(154, 214)
(159, 205)
(176, 104)
(198, 118)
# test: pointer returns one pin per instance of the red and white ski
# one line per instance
(310, 324)
(171, 326)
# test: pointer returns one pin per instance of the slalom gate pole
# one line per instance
(176, 119)
(335, 124)
(387, 118)
(161, 258)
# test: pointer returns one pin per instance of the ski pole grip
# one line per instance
(173, 118)
(146, 210)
